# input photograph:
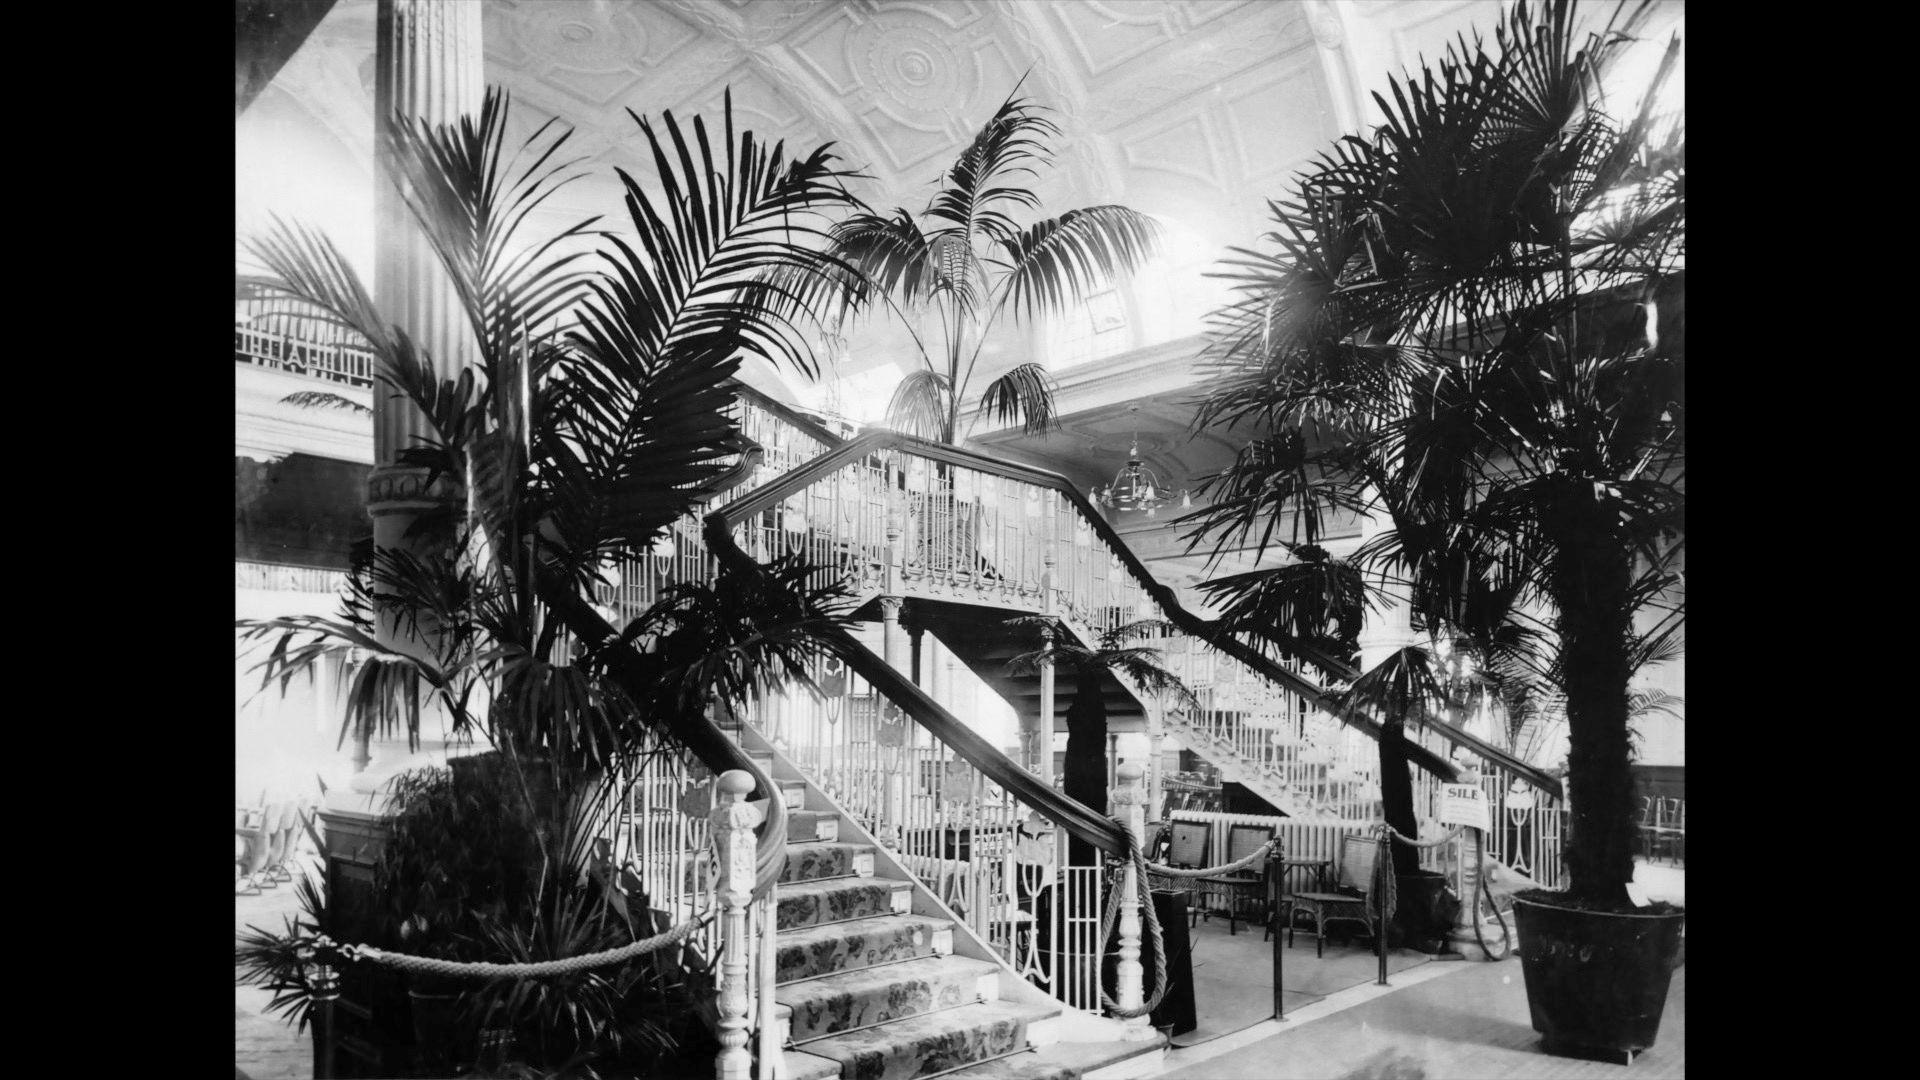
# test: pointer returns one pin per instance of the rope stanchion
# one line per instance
(1152, 920)
(1383, 897)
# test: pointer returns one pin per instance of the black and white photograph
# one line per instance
(974, 539)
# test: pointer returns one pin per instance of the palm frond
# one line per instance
(1025, 393)
(320, 399)
(1056, 263)
(919, 405)
(979, 183)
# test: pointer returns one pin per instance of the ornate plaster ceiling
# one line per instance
(1196, 111)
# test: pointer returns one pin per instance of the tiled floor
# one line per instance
(1471, 1021)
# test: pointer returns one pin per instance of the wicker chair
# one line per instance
(1237, 890)
(1349, 902)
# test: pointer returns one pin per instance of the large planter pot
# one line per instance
(436, 1031)
(1596, 981)
(1422, 911)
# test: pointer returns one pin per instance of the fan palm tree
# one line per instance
(968, 261)
(592, 417)
(1085, 775)
(1470, 325)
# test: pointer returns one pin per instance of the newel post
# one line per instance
(733, 820)
(1129, 798)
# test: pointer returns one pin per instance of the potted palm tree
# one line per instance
(1474, 327)
(591, 419)
(969, 262)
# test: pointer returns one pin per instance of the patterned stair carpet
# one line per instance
(873, 989)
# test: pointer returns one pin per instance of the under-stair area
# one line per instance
(873, 977)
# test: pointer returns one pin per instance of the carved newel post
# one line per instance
(1129, 799)
(733, 820)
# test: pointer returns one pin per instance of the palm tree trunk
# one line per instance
(1085, 778)
(1595, 624)
(1396, 794)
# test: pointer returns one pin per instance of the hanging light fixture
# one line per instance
(1136, 486)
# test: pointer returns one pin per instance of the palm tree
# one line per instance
(1471, 326)
(592, 418)
(969, 262)
(1085, 774)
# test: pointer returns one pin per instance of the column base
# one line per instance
(1463, 940)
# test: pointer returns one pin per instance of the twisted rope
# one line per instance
(1383, 898)
(1258, 854)
(489, 970)
(1152, 919)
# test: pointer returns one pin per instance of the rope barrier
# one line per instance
(1211, 871)
(489, 970)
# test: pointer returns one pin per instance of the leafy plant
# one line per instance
(593, 416)
(969, 261)
(1471, 325)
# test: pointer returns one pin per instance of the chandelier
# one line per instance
(1136, 486)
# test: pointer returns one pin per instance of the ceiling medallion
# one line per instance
(912, 65)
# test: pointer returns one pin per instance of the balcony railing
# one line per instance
(280, 577)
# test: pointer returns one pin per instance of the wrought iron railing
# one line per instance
(997, 862)
(350, 365)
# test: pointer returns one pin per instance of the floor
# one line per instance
(1436, 1019)
(1233, 975)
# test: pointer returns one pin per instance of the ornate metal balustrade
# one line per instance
(350, 365)
(1000, 864)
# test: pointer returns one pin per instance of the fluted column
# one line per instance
(733, 820)
(427, 57)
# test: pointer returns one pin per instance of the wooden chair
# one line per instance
(1349, 901)
(1238, 889)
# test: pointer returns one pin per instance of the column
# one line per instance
(428, 65)
(1043, 723)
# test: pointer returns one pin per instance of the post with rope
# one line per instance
(1276, 871)
(1128, 974)
(733, 820)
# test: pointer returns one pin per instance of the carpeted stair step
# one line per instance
(1027, 1066)
(794, 792)
(805, 825)
(811, 862)
(844, 946)
(832, 900)
(874, 995)
(931, 1042)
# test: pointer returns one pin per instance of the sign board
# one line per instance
(1464, 804)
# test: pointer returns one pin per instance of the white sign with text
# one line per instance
(1464, 804)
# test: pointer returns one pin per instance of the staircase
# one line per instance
(874, 979)
(978, 637)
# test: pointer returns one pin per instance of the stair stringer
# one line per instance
(1072, 1025)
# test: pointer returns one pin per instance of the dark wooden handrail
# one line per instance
(1070, 814)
